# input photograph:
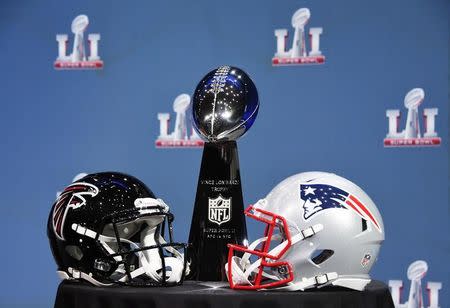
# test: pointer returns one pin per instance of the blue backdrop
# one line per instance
(331, 117)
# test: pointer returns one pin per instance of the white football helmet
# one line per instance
(321, 229)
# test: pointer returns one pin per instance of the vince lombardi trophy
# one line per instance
(412, 101)
(79, 25)
(299, 20)
(225, 105)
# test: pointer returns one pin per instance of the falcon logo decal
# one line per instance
(71, 198)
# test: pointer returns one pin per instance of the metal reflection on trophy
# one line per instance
(225, 105)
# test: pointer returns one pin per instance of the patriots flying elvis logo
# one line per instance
(71, 198)
(318, 197)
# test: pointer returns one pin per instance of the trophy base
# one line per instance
(412, 142)
(68, 65)
(277, 61)
(218, 218)
(161, 143)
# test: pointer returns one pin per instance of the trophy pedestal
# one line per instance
(218, 217)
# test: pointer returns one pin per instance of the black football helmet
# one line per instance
(108, 228)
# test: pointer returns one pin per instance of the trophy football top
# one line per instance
(300, 18)
(414, 98)
(417, 270)
(181, 103)
(225, 104)
(80, 23)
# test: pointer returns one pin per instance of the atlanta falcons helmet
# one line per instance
(108, 228)
(320, 229)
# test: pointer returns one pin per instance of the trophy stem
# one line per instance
(218, 217)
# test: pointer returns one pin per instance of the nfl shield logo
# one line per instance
(219, 210)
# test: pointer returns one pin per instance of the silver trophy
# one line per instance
(416, 271)
(79, 25)
(412, 101)
(299, 20)
(225, 105)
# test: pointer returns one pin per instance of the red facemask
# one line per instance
(268, 260)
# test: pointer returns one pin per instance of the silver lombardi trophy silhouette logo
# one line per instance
(416, 271)
(298, 54)
(77, 59)
(411, 135)
(180, 136)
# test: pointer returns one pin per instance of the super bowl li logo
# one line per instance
(411, 136)
(77, 59)
(180, 137)
(298, 54)
(416, 271)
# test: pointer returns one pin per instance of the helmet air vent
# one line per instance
(364, 224)
(321, 255)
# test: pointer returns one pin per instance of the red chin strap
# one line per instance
(267, 259)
